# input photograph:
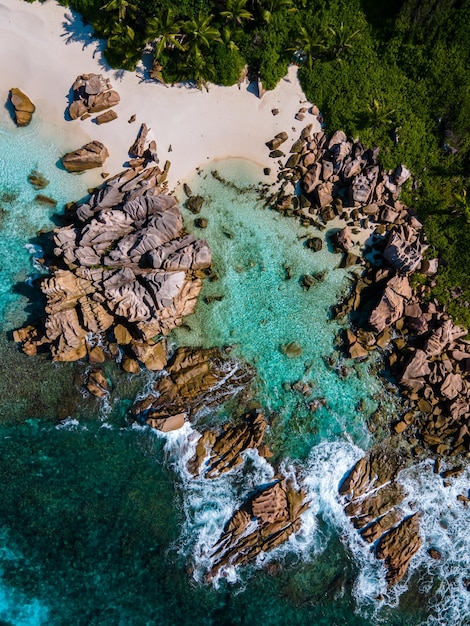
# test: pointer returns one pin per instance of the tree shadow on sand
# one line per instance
(76, 30)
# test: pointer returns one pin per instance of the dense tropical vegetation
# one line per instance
(393, 72)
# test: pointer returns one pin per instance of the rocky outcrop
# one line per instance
(126, 264)
(397, 547)
(193, 379)
(91, 94)
(392, 303)
(218, 452)
(404, 249)
(372, 498)
(89, 156)
(23, 107)
(264, 522)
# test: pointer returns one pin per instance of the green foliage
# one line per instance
(228, 64)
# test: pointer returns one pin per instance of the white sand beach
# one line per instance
(44, 47)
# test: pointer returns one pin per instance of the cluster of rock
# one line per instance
(93, 94)
(197, 379)
(192, 380)
(22, 106)
(426, 352)
(218, 452)
(265, 521)
(123, 273)
(429, 355)
(372, 498)
(339, 178)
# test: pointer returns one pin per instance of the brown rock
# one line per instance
(23, 107)
(379, 466)
(130, 365)
(275, 513)
(194, 380)
(152, 355)
(122, 335)
(342, 239)
(381, 525)
(279, 139)
(96, 355)
(223, 450)
(89, 156)
(97, 384)
(138, 147)
(167, 424)
(107, 116)
(397, 548)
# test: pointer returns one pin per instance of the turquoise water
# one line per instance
(263, 310)
(21, 216)
(99, 523)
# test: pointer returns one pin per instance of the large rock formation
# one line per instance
(23, 107)
(124, 262)
(372, 502)
(91, 94)
(264, 522)
(398, 546)
(392, 303)
(404, 249)
(89, 156)
(194, 379)
(219, 452)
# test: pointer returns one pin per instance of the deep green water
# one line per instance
(99, 524)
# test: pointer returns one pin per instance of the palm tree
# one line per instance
(165, 31)
(199, 69)
(462, 203)
(378, 116)
(123, 8)
(229, 36)
(236, 12)
(269, 7)
(199, 33)
(342, 40)
(123, 48)
(308, 45)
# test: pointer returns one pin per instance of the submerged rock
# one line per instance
(291, 350)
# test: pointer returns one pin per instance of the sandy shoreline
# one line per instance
(43, 47)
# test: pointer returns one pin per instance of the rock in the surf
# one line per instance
(218, 452)
(263, 522)
(194, 379)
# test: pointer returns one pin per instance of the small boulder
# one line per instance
(23, 107)
(89, 156)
